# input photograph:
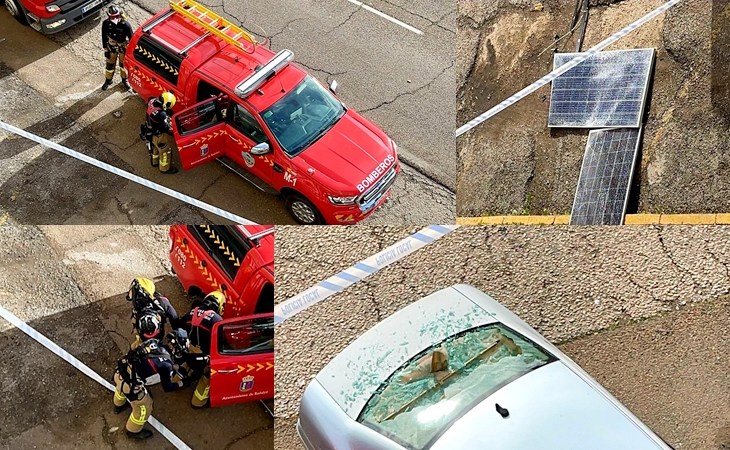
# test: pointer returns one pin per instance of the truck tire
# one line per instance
(17, 11)
(303, 211)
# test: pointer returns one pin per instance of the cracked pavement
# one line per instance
(69, 283)
(601, 292)
(41, 186)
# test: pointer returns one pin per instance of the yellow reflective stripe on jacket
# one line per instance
(142, 416)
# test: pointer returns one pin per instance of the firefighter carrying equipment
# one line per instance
(158, 124)
(129, 386)
(199, 323)
(115, 35)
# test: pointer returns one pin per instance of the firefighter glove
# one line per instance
(107, 55)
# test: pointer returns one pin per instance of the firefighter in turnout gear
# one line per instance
(155, 131)
(115, 35)
(199, 323)
(151, 361)
(150, 311)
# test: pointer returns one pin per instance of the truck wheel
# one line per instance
(16, 11)
(302, 210)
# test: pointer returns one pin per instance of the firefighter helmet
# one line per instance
(168, 100)
(149, 324)
(178, 339)
(215, 301)
(114, 12)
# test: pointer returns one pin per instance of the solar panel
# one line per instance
(605, 177)
(606, 90)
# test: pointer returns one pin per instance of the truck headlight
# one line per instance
(342, 200)
(53, 8)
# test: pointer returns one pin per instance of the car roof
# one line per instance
(354, 375)
(222, 62)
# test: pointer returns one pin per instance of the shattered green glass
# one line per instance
(479, 362)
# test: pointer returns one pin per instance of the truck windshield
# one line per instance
(303, 116)
(428, 393)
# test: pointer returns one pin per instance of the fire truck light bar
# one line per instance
(251, 83)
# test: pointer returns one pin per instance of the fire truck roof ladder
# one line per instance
(263, 73)
(215, 24)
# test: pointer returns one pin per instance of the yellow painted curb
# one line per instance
(687, 219)
(529, 220)
(630, 219)
(642, 219)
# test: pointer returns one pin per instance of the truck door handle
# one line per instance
(227, 370)
(278, 168)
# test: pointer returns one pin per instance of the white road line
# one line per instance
(385, 16)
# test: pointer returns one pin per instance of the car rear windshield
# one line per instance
(303, 116)
(427, 394)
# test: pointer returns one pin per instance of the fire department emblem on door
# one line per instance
(247, 383)
(248, 159)
(203, 149)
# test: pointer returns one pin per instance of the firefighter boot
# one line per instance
(106, 85)
(126, 85)
(141, 435)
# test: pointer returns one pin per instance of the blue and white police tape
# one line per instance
(359, 271)
(83, 368)
(562, 69)
(137, 179)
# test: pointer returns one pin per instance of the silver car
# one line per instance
(457, 370)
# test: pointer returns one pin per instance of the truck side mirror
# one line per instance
(260, 149)
(333, 86)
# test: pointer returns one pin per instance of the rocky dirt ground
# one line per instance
(514, 164)
(642, 309)
(69, 283)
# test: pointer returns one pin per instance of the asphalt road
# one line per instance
(38, 186)
(642, 309)
(69, 283)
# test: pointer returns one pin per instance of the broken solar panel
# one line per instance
(607, 90)
(605, 177)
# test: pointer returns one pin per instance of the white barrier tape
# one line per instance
(562, 69)
(363, 269)
(83, 368)
(131, 177)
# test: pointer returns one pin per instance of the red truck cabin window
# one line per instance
(246, 123)
(158, 59)
(247, 337)
(224, 246)
(206, 91)
(199, 118)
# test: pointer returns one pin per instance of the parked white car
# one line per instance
(457, 370)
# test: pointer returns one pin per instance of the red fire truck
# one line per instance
(238, 261)
(262, 116)
(52, 16)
